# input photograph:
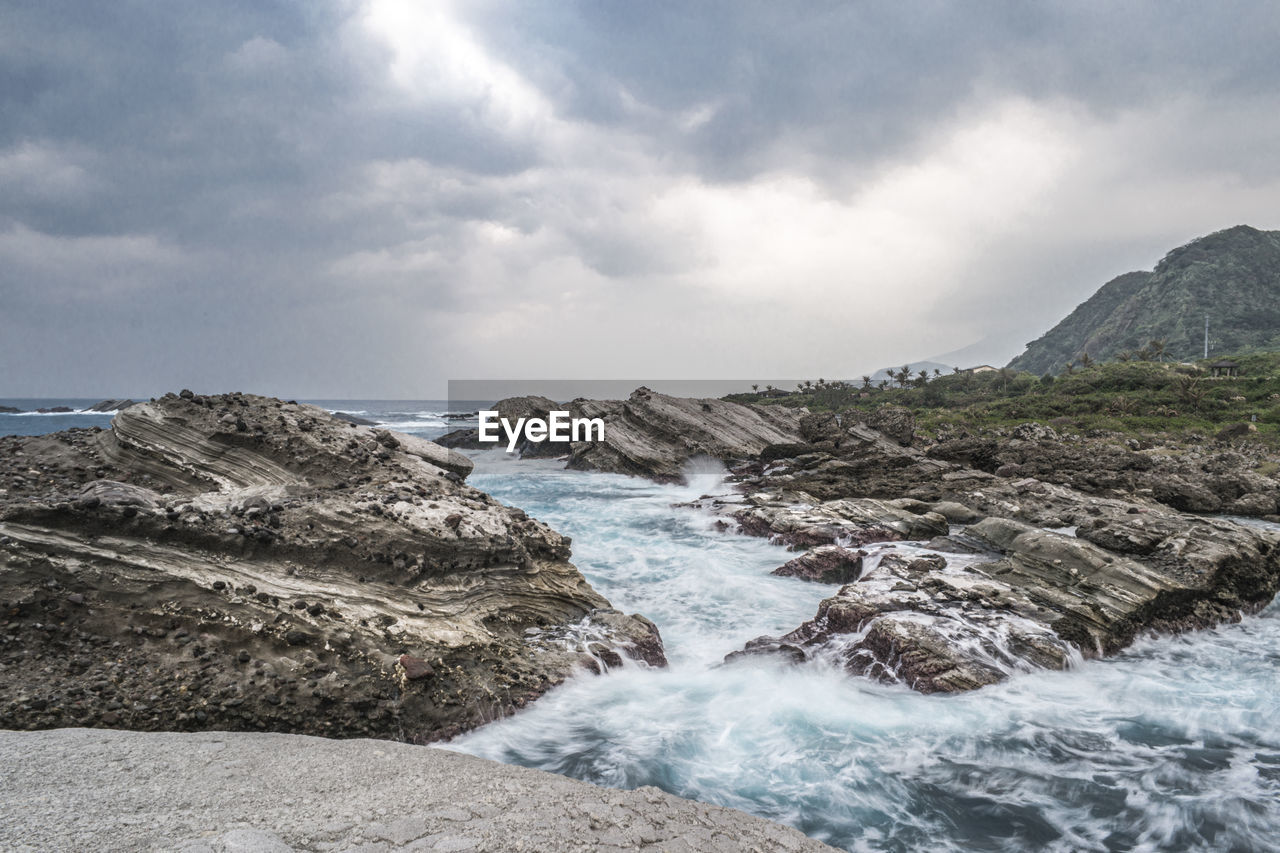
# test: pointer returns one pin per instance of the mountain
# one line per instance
(916, 367)
(1233, 276)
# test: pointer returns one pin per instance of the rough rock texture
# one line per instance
(824, 564)
(218, 792)
(110, 405)
(1016, 590)
(1188, 478)
(238, 562)
(799, 520)
(653, 435)
(894, 421)
(512, 409)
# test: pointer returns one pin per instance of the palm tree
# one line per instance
(1005, 375)
(1124, 356)
(866, 382)
(884, 383)
(937, 372)
(922, 378)
(755, 387)
(956, 371)
(1191, 390)
(1086, 361)
(1069, 368)
(1157, 348)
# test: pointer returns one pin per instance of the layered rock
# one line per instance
(1041, 576)
(110, 405)
(653, 435)
(239, 562)
(824, 564)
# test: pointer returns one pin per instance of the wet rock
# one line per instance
(801, 521)
(1048, 600)
(903, 564)
(824, 564)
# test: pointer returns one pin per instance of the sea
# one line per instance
(1173, 745)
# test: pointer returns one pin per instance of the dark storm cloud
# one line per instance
(863, 79)
(366, 198)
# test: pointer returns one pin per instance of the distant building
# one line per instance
(981, 368)
(1225, 367)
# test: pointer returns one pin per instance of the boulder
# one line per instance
(824, 564)
(896, 422)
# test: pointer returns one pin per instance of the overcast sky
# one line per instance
(364, 199)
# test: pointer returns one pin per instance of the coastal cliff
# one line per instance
(240, 562)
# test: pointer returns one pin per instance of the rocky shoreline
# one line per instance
(244, 563)
(1034, 550)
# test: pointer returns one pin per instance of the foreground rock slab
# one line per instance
(215, 792)
(239, 562)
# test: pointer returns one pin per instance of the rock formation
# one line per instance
(1039, 574)
(110, 406)
(238, 562)
(653, 435)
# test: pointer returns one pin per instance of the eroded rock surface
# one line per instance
(239, 562)
(1034, 574)
(653, 435)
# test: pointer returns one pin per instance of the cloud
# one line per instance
(367, 198)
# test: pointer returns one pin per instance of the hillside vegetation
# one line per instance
(1233, 276)
(1123, 396)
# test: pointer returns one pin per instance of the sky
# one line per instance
(334, 198)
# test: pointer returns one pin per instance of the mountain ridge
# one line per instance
(1232, 275)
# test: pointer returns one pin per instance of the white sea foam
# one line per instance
(1174, 745)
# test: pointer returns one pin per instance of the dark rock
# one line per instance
(896, 422)
(824, 564)
(1233, 432)
(353, 419)
(297, 638)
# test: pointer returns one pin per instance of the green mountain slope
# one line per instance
(1232, 275)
